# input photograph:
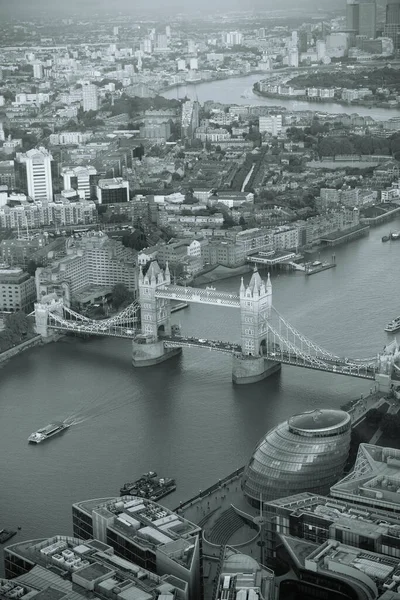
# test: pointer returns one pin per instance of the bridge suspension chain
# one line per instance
(294, 350)
(310, 344)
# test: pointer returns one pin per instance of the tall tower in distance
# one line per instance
(361, 17)
(392, 22)
(90, 97)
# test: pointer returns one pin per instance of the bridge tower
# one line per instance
(47, 304)
(155, 315)
(255, 310)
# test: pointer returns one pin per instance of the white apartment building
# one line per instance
(36, 214)
(94, 261)
(285, 238)
(17, 289)
(65, 138)
(33, 173)
(271, 124)
(79, 179)
(90, 97)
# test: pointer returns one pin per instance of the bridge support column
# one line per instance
(152, 353)
(250, 369)
(383, 382)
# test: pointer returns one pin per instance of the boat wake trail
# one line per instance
(104, 408)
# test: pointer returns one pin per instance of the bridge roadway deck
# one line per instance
(198, 295)
(112, 331)
(191, 342)
(326, 364)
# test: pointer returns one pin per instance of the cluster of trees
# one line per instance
(121, 296)
(357, 144)
(17, 328)
(375, 78)
(135, 105)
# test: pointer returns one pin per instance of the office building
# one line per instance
(305, 453)
(33, 174)
(392, 22)
(318, 518)
(146, 534)
(336, 571)
(111, 191)
(374, 480)
(90, 97)
(64, 567)
(90, 269)
(17, 290)
(361, 17)
(81, 179)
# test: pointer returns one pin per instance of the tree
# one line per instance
(120, 295)
(18, 324)
(32, 266)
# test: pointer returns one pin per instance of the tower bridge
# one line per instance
(267, 339)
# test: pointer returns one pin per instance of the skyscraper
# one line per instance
(361, 17)
(90, 97)
(392, 22)
(33, 173)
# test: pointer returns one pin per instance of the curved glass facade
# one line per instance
(305, 453)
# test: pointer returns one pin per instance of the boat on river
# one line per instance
(395, 235)
(47, 432)
(6, 534)
(385, 238)
(393, 326)
(149, 486)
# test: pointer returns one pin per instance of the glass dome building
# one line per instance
(306, 453)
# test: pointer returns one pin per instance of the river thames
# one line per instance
(184, 419)
(238, 90)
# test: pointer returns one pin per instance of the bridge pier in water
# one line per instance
(250, 369)
(151, 353)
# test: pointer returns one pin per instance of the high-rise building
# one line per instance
(33, 173)
(392, 22)
(90, 97)
(161, 42)
(293, 57)
(37, 70)
(111, 191)
(361, 17)
(321, 49)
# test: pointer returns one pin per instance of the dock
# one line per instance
(312, 271)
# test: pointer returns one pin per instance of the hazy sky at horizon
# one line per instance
(163, 7)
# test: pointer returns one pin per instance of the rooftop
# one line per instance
(375, 479)
(319, 420)
(149, 524)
